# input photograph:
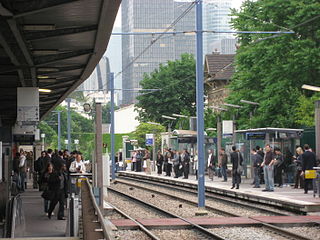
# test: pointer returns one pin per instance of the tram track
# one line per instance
(268, 227)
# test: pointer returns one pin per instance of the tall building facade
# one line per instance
(152, 16)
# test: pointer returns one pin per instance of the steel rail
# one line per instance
(208, 195)
(271, 227)
(196, 226)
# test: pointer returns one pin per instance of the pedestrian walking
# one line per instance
(236, 160)
(224, 163)
(159, 162)
(257, 161)
(44, 186)
(268, 169)
(211, 164)
(308, 163)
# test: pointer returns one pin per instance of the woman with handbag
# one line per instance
(236, 160)
(44, 186)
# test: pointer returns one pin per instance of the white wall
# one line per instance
(125, 121)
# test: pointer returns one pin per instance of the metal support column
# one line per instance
(113, 174)
(200, 105)
(99, 151)
(68, 100)
(234, 136)
(219, 136)
(317, 124)
(59, 130)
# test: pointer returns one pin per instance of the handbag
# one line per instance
(240, 168)
(47, 195)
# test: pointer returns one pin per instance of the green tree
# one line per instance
(271, 69)
(145, 128)
(177, 82)
(304, 113)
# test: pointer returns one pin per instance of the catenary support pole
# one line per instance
(59, 130)
(219, 136)
(317, 124)
(99, 152)
(113, 163)
(69, 123)
(200, 104)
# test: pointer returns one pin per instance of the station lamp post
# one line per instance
(316, 116)
(250, 103)
(42, 137)
(170, 124)
(234, 138)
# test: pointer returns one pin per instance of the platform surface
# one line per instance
(281, 196)
(37, 224)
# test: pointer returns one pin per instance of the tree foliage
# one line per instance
(177, 82)
(304, 113)
(146, 128)
(270, 69)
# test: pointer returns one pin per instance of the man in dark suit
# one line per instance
(308, 162)
(236, 158)
(47, 159)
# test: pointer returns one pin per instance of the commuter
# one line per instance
(268, 169)
(257, 160)
(195, 164)
(278, 166)
(57, 184)
(298, 179)
(288, 166)
(185, 162)
(22, 170)
(308, 163)
(159, 162)
(236, 160)
(44, 185)
(58, 161)
(66, 155)
(168, 161)
(139, 157)
(261, 153)
(134, 161)
(147, 162)
(38, 167)
(224, 163)
(211, 164)
(46, 159)
(176, 160)
(77, 166)
(16, 176)
(165, 162)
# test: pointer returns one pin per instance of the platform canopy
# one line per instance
(51, 44)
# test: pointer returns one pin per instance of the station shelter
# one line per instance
(283, 138)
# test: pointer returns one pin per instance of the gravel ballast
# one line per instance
(130, 235)
(309, 232)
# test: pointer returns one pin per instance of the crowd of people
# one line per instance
(51, 175)
(270, 166)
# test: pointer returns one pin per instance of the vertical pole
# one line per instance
(69, 123)
(59, 130)
(219, 136)
(317, 124)
(99, 151)
(234, 136)
(200, 104)
(113, 174)
(154, 157)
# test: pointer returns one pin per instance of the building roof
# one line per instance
(219, 66)
(269, 129)
(53, 44)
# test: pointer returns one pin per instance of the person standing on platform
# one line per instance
(147, 162)
(279, 166)
(159, 162)
(57, 183)
(176, 160)
(139, 157)
(297, 176)
(268, 169)
(257, 160)
(308, 163)
(195, 164)
(38, 167)
(168, 161)
(134, 161)
(185, 160)
(224, 163)
(77, 166)
(46, 159)
(22, 170)
(211, 164)
(261, 153)
(44, 184)
(236, 160)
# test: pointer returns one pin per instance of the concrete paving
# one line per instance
(37, 223)
(285, 195)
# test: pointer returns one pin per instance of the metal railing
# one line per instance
(14, 218)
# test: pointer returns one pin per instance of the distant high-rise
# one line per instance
(152, 16)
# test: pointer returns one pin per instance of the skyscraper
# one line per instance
(152, 16)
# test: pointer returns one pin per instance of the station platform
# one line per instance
(285, 197)
(36, 223)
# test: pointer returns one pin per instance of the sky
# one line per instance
(236, 4)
